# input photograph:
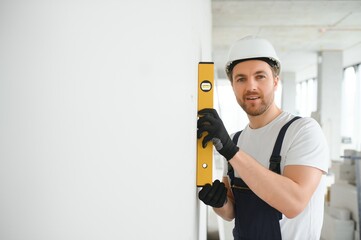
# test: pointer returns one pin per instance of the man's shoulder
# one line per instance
(301, 122)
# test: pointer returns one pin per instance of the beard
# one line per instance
(251, 108)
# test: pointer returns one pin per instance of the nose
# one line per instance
(251, 84)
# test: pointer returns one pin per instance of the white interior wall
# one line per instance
(290, 93)
(352, 55)
(98, 118)
(330, 75)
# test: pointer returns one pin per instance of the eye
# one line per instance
(260, 77)
(240, 79)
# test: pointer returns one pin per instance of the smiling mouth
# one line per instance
(252, 98)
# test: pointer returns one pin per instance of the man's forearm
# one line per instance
(227, 211)
(288, 193)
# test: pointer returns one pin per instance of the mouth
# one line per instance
(252, 98)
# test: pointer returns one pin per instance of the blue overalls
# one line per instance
(254, 218)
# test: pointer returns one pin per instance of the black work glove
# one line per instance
(214, 195)
(210, 122)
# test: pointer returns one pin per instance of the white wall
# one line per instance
(290, 94)
(98, 118)
(329, 98)
(352, 55)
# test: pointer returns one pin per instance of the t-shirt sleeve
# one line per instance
(308, 146)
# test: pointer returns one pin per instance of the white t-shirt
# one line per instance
(303, 144)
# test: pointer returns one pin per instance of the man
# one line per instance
(273, 190)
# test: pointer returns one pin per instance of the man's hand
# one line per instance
(214, 195)
(210, 122)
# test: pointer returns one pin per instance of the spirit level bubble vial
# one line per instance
(205, 100)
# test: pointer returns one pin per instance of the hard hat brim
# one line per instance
(272, 62)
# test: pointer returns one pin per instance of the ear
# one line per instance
(275, 82)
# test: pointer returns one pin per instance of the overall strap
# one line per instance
(230, 168)
(235, 137)
(275, 159)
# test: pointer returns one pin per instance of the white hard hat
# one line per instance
(252, 47)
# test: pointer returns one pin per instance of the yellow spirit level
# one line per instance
(205, 100)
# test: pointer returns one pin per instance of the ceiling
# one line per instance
(297, 29)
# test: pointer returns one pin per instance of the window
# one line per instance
(350, 112)
(306, 99)
(278, 94)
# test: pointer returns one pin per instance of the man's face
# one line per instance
(254, 86)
